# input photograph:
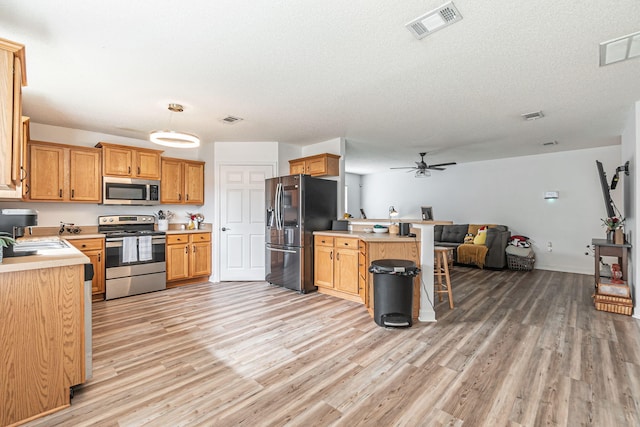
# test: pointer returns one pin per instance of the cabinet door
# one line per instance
(172, 186)
(94, 250)
(317, 166)
(85, 176)
(97, 259)
(177, 261)
(200, 259)
(12, 152)
(25, 157)
(47, 172)
(363, 272)
(346, 271)
(194, 183)
(147, 165)
(6, 120)
(117, 161)
(323, 266)
(296, 168)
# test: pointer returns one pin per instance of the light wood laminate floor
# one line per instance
(520, 348)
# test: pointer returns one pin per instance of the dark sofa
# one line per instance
(452, 236)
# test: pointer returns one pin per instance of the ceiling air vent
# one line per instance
(533, 116)
(434, 20)
(231, 120)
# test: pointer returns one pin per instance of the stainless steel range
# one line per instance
(135, 261)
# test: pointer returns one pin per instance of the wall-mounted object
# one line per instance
(551, 194)
(427, 213)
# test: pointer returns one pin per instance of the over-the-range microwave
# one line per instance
(129, 191)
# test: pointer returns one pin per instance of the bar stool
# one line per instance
(440, 270)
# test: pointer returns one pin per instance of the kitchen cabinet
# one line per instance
(130, 162)
(12, 77)
(323, 262)
(63, 173)
(182, 182)
(336, 267)
(94, 250)
(319, 165)
(188, 257)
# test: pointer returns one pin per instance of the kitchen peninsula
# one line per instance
(342, 260)
(41, 332)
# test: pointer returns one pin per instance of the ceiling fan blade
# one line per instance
(405, 167)
(435, 168)
(441, 164)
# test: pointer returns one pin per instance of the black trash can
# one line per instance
(393, 291)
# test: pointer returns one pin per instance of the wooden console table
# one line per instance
(606, 248)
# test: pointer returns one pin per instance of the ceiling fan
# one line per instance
(422, 169)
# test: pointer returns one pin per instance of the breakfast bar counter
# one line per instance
(368, 237)
(347, 274)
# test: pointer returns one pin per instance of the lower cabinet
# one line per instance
(337, 267)
(94, 250)
(188, 258)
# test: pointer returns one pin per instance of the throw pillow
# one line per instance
(468, 238)
(481, 238)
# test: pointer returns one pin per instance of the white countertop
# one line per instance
(367, 237)
(45, 258)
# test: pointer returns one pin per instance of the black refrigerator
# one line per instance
(296, 206)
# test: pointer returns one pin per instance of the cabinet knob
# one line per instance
(60, 192)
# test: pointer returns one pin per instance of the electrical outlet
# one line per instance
(549, 247)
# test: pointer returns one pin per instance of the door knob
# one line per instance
(225, 229)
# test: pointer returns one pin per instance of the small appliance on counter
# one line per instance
(405, 229)
(15, 222)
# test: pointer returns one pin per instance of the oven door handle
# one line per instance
(116, 242)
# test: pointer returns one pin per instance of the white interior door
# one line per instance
(242, 216)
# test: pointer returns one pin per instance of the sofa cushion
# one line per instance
(454, 233)
(437, 232)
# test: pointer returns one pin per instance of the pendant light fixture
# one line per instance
(170, 138)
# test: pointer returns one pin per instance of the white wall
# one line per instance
(354, 194)
(630, 144)
(510, 191)
(287, 152)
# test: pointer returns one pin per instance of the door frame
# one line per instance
(217, 260)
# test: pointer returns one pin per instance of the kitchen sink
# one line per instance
(38, 245)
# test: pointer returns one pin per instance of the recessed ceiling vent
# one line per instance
(434, 20)
(231, 120)
(533, 116)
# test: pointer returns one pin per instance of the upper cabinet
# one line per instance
(319, 165)
(12, 77)
(63, 173)
(182, 182)
(131, 162)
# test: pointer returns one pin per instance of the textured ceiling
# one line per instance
(302, 72)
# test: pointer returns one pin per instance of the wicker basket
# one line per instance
(613, 304)
(523, 263)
